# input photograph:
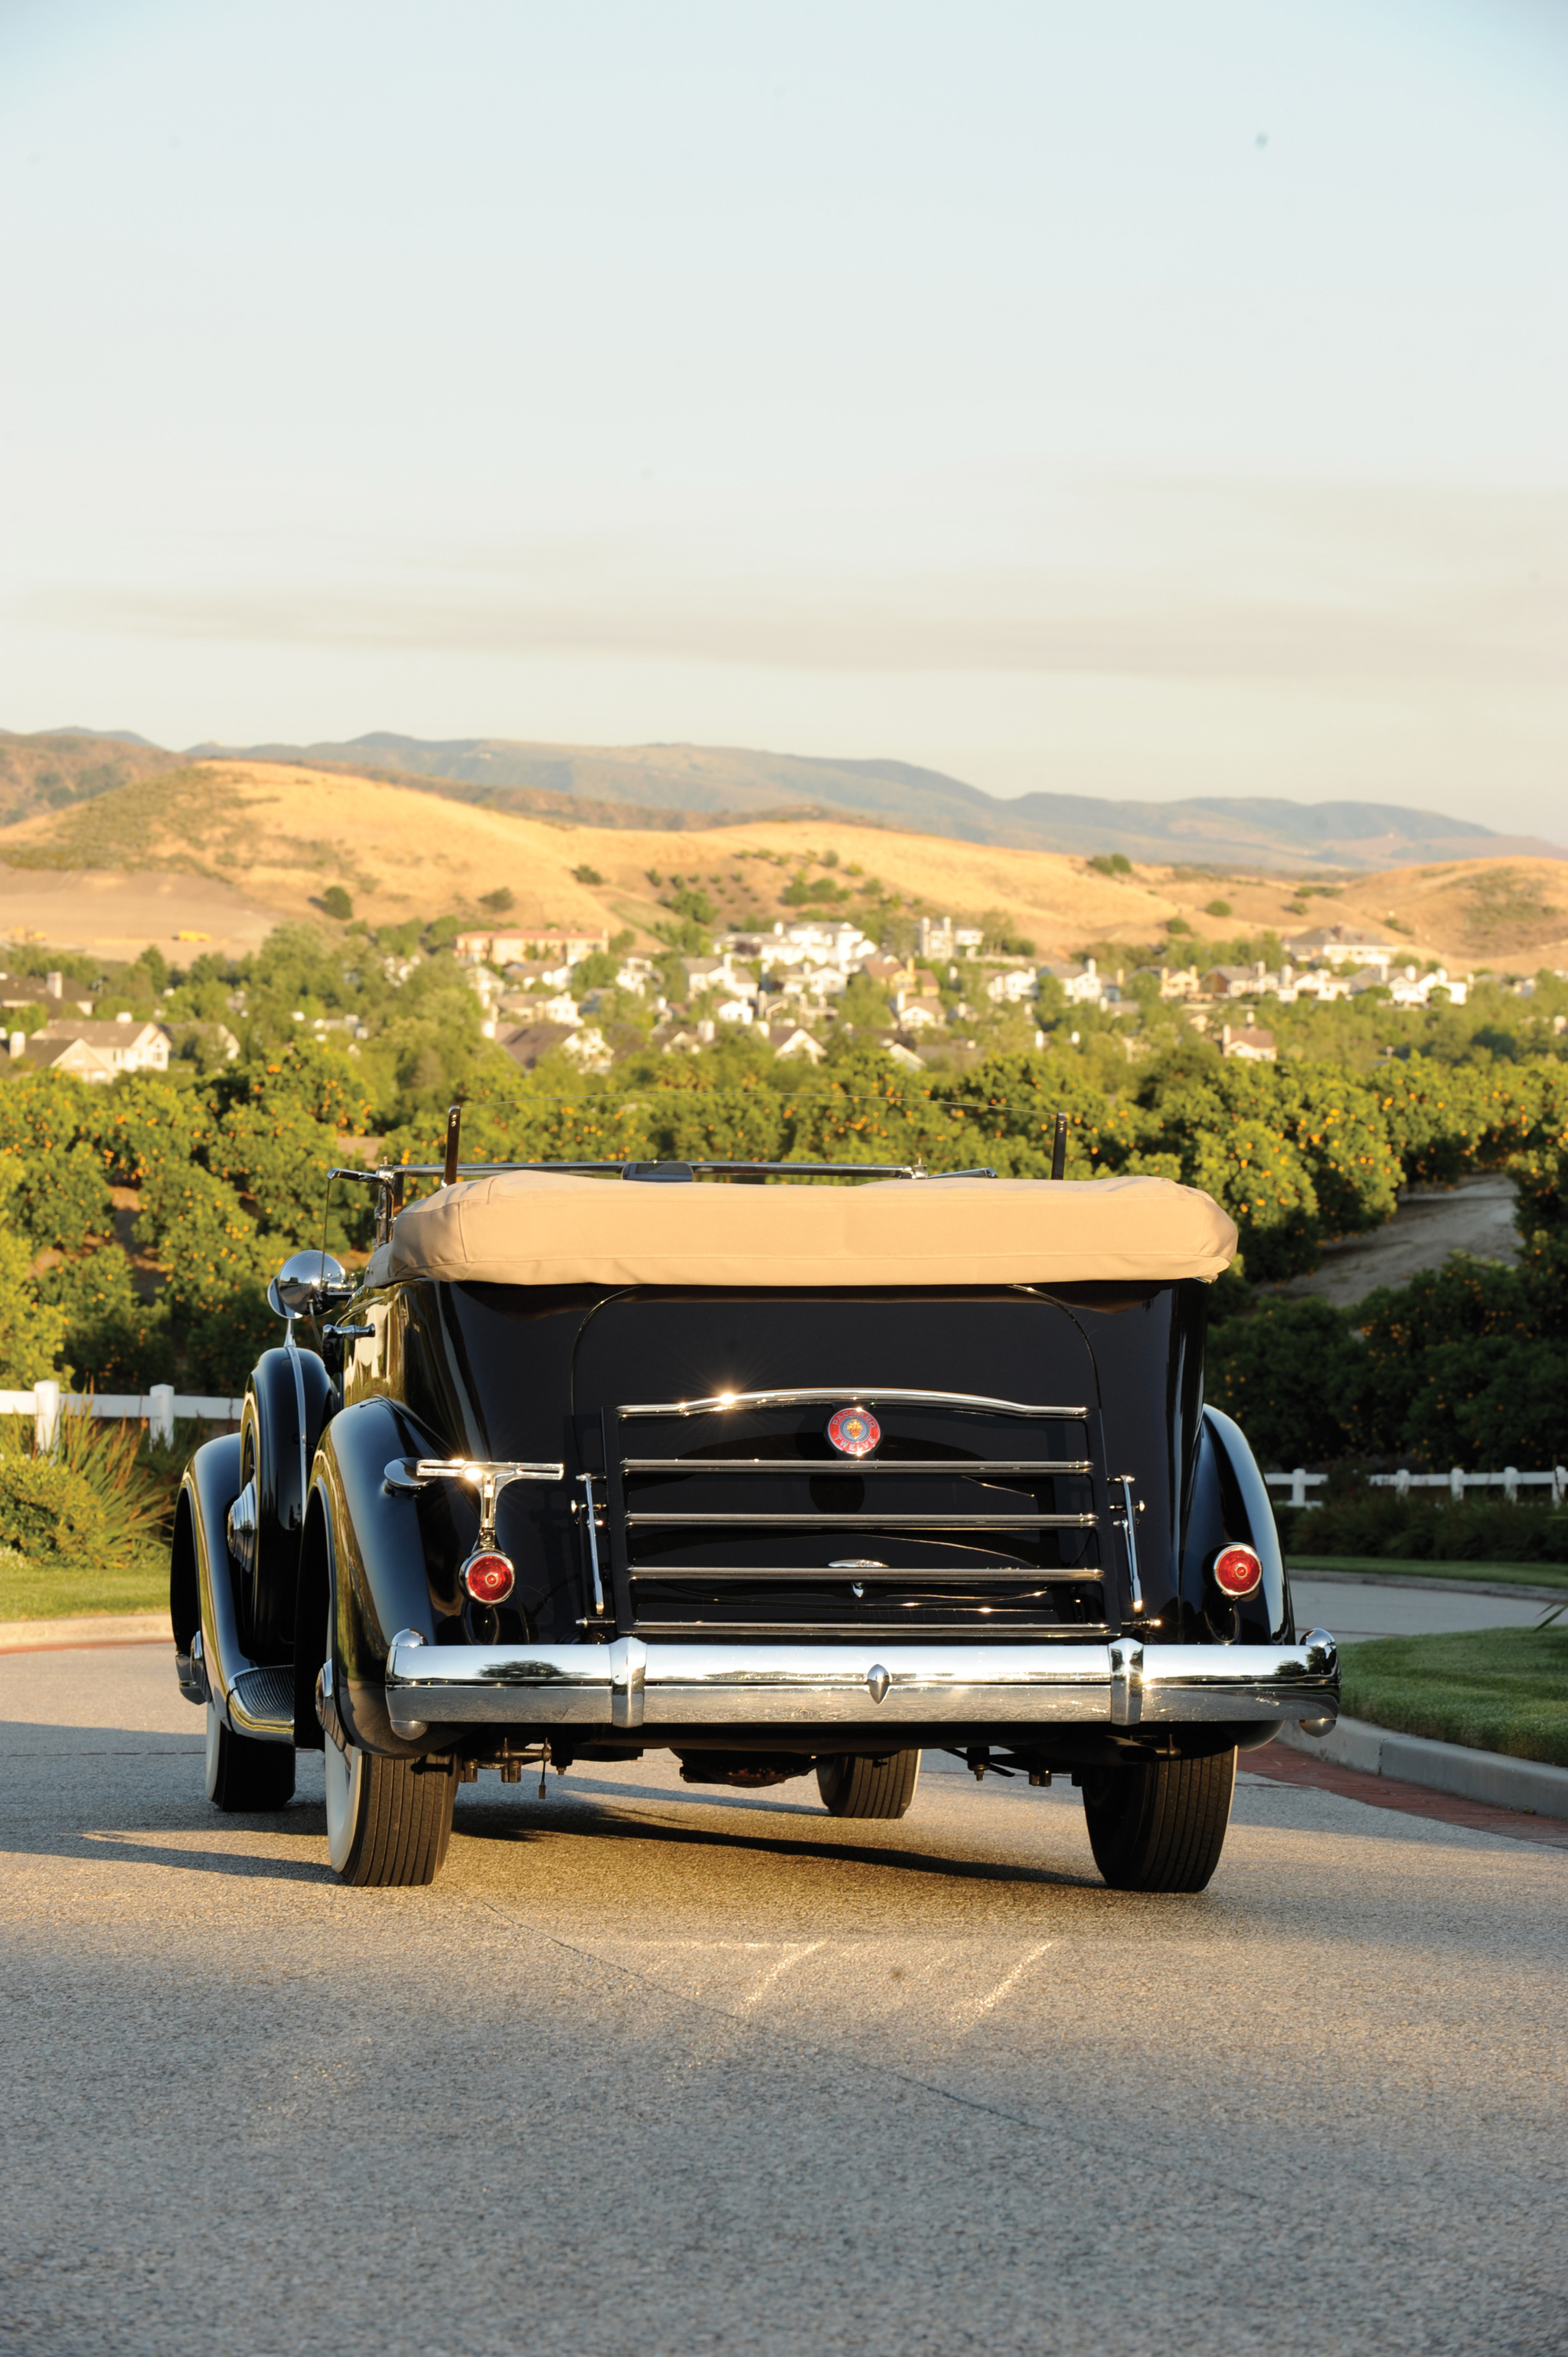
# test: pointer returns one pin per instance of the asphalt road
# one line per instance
(1356, 1609)
(657, 2070)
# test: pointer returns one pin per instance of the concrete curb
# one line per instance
(1530, 1786)
(85, 1628)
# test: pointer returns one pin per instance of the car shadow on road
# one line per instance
(530, 1821)
(183, 1838)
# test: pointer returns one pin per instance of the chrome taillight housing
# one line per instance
(488, 1575)
(1237, 1571)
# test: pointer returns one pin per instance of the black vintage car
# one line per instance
(789, 1470)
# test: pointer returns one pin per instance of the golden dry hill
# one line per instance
(227, 847)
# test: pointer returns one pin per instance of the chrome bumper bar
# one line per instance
(632, 1684)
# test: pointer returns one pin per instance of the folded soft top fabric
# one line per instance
(532, 1227)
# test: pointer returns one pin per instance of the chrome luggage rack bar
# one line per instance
(642, 1490)
(872, 1395)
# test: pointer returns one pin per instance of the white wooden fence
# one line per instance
(45, 1404)
(1510, 1481)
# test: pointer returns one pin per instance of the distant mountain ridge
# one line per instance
(681, 785)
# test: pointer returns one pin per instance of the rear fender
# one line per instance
(1230, 1502)
(365, 1548)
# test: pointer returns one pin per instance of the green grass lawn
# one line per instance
(1494, 1689)
(32, 1591)
(1515, 1575)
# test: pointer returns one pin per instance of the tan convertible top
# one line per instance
(531, 1227)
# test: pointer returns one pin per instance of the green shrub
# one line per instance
(49, 1510)
(1291, 1374)
(1356, 1520)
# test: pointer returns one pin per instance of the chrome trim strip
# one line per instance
(633, 1684)
(855, 1521)
(968, 1402)
(1050, 1576)
(786, 1632)
(961, 1467)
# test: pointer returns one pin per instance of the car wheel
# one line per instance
(242, 1774)
(388, 1821)
(1159, 1825)
(856, 1787)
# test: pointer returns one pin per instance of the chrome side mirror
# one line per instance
(307, 1281)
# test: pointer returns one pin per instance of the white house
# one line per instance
(1083, 986)
(100, 1051)
(1347, 945)
(1410, 989)
(1251, 1046)
(788, 1040)
(1013, 988)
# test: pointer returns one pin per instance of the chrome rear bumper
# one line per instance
(632, 1684)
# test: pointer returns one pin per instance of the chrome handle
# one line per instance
(587, 1481)
(1124, 1482)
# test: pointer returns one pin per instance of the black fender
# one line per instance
(369, 1550)
(286, 1403)
(1230, 1501)
(203, 1595)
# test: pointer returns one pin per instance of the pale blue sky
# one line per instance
(1140, 398)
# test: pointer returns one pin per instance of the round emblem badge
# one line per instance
(854, 1431)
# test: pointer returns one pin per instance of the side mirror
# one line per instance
(307, 1281)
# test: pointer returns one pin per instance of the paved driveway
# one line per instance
(1396, 1608)
(657, 2072)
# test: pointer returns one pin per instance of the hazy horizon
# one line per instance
(1138, 405)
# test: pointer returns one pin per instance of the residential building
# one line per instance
(19, 992)
(588, 1049)
(104, 1050)
(788, 1040)
(1347, 945)
(1233, 981)
(525, 1043)
(1251, 1046)
(1084, 985)
(1410, 989)
(1013, 988)
(512, 947)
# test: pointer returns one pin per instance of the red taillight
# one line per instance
(1237, 1571)
(489, 1578)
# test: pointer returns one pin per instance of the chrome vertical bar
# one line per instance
(1125, 1482)
(587, 1481)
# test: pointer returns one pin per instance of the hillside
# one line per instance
(665, 787)
(227, 843)
(1297, 837)
(69, 765)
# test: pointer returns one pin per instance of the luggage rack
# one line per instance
(687, 1548)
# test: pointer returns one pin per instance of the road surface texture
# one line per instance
(653, 2071)
(1476, 1215)
(1354, 1610)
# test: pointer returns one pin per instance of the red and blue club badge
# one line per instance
(854, 1431)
